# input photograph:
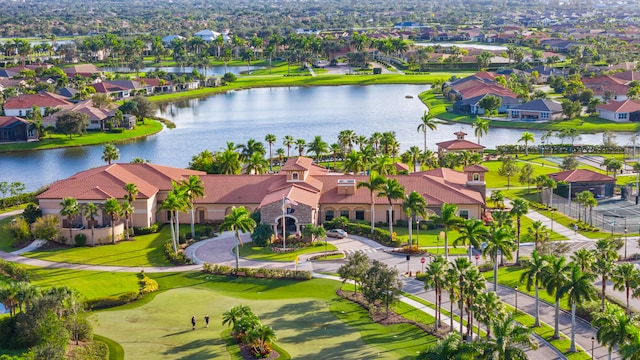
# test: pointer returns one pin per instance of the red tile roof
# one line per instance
(10, 120)
(459, 145)
(475, 168)
(626, 106)
(581, 175)
(41, 100)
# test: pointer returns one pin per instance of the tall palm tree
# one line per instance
(70, 209)
(228, 162)
(384, 165)
(534, 269)
(489, 308)
(475, 285)
(613, 327)
(288, 141)
(472, 233)
(414, 204)
(435, 278)
(584, 258)
(91, 213)
(519, 208)
(457, 270)
(577, 288)
(630, 350)
(509, 340)
(318, 146)
(480, 128)
(193, 189)
(300, 145)
(606, 254)
(270, 139)
(392, 190)
(554, 277)
(354, 162)
(526, 137)
(112, 208)
(451, 348)
(173, 204)
(448, 220)
(256, 164)
(501, 242)
(625, 277)
(238, 220)
(110, 153)
(427, 122)
(374, 184)
(126, 210)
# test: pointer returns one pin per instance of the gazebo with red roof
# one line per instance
(458, 145)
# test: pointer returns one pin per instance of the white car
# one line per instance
(337, 233)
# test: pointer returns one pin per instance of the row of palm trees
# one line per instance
(466, 287)
(180, 199)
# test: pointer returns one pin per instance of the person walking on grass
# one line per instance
(206, 320)
(193, 322)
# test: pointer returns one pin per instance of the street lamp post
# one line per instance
(625, 240)
(593, 340)
(552, 218)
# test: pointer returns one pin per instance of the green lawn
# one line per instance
(145, 250)
(6, 240)
(309, 319)
(150, 127)
(266, 254)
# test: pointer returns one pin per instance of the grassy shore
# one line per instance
(586, 125)
(54, 141)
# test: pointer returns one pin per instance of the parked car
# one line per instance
(337, 233)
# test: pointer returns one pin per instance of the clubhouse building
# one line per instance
(314, 195)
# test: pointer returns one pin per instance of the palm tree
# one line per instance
(384, 165)
(126, 210)
(374, 184)
(577, 288)
(110, 153)
(584, 258)
(270, 139)
(451, 348)
(489, 308)
(318, 146)
(427, 122)
(631, 349)
(606, 254)
(335, 150)
(472, 233)
(480, 128)
(90, 213)
(354, 162)
(509, 340)
(288, 141)
(613, 327)
(112, 208)
(414, 204)
(234, 314)
(262, 335)
(392, 190)
(457, 270)
(70, 209)
(526, 137)
(300, 144)
(256, 164)
(534, 268)
(625, 276)
(238, 220)
(228, 162)
(131, 192)
(434, 277)
(554, 277)
(193, 189)
(172, 204)
(447, 219)
(475, 285)
(519, 208)
(500, 242)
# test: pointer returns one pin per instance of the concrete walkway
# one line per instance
(34, 245)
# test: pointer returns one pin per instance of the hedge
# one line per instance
(256, 273)
(112, 301)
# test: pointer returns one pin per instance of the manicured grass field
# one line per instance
(309, 319)
(144, 250)
(266, 254)
(150, 127)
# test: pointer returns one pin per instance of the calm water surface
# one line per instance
(238, 116)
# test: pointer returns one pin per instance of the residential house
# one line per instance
(85, 70)
(607, 87)
(536, 110)
(155, 85)
(21, 105)
(472, 105)
(114, 90)
(167, 40)
(14, 129)
(315, 195)
(97, 117)
(207, 35)
(619, 111)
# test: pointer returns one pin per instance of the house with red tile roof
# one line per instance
(97, 117)
(86, 70)
(619, 111)
(607, 87)
(15, 129)
(22, 104)
(584, 180)
(313, 195)
(458, 145)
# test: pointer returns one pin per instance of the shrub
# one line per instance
(19, 229)
(93, 350)
(147, 284)
(488, 266)
(116, 130)
(205, 232)
(229, 77)
(336, 223)
(253, 272)
(177, 259)
(13, 270)
(80, 239)
(401, 223)
(145, 230)
(112, 301)
(262, 235)
(31, 213)
(47, 228)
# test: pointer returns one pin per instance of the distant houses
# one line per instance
(536, 110)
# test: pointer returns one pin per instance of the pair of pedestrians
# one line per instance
(193, 321)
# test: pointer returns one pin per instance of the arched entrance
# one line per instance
(291, 226)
